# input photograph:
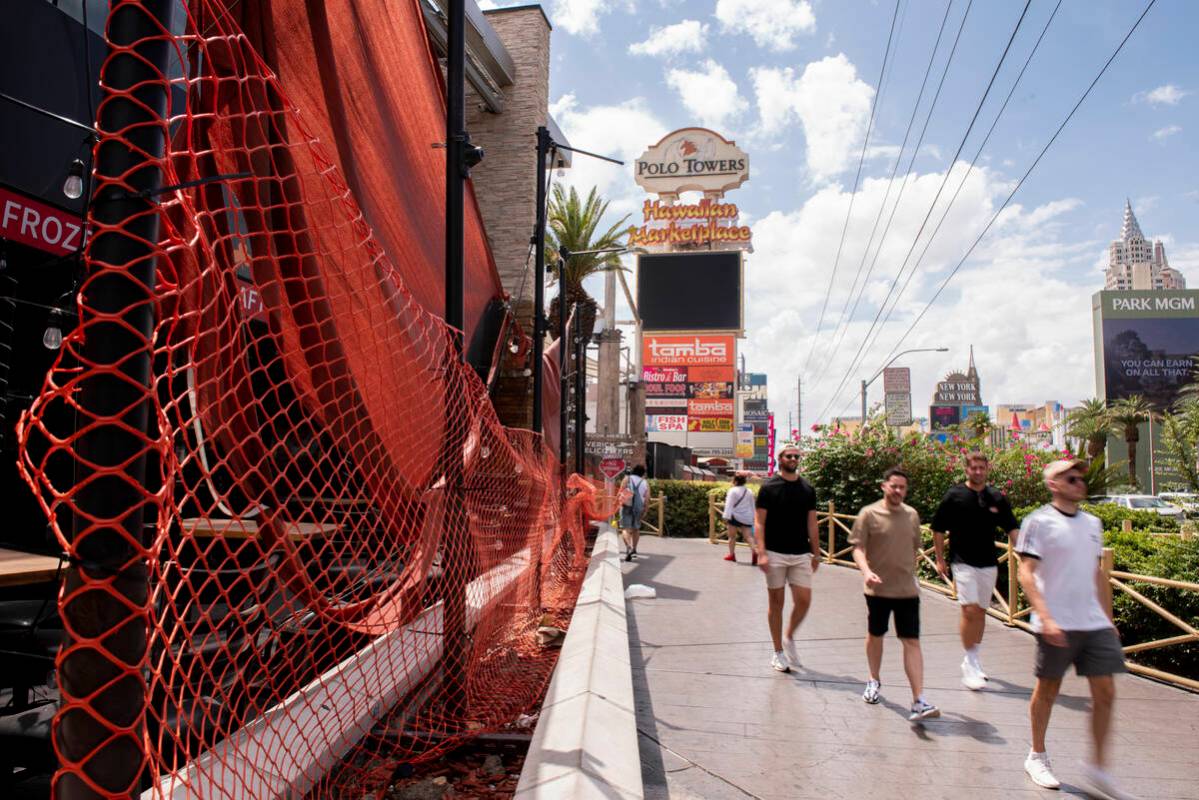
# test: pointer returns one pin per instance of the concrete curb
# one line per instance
(585, 742)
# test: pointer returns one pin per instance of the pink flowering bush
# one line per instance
(847, 469)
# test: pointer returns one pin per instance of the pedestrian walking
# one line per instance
(972, 514)
(738, 517)
(788, 547)
(634, 496)
(1061, 571)
(886, 541)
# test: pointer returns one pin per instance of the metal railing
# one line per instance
(1015, 612)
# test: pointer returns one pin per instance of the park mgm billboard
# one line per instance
(1144, 344)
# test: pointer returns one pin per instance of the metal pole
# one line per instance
(863, 401)
(563, 363)
(580, 395)
(456, 548)
(108, 584)
(543, 147)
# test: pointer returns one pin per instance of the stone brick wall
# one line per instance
(505, 182)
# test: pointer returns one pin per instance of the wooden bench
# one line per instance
(248, 528)
(18, 568)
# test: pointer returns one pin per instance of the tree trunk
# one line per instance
(1131, 441)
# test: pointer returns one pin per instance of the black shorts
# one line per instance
(907, 615)
(1093, 653)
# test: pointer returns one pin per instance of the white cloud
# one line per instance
(828, 100)
(688, 36)
(1161, 134)
(773, 24)
(1023, 299)
(581, 17)
(621, 131)
(710, 94)
(1167, 95)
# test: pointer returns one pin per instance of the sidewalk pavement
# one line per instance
(715, 721)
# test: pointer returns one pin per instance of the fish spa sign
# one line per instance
(691, 159)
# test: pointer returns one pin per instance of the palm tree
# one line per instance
(1127, 415)
(977, 424)
(1091, 423)
(571, 223)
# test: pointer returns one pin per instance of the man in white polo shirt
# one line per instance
(1060, 549)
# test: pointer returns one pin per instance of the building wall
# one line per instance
(505, 182)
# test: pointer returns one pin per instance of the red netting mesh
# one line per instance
(308, 542)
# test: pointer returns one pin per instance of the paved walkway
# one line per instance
(716, 722)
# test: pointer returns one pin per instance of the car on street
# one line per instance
(1145, 502)
(1187, 501)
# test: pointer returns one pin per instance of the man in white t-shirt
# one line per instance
(1061, 571)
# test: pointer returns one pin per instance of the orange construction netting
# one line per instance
(348, 556)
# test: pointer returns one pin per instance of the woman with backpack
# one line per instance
(634, 494)
(739, 517)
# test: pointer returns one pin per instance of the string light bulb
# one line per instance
(72, 187)
(52, 338)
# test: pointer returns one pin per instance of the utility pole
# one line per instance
(799, 402)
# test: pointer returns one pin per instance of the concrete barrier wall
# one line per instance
(585, 742)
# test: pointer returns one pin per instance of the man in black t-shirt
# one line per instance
(973, 514)
(788, 549)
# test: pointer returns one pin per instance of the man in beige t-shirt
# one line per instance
(886, 541)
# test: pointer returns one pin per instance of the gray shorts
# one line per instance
(1093, 653)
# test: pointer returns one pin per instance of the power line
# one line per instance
(1028, 172)
(970, 169)
(966, 175)
(932, 206)
(857, 177)
(843, 322)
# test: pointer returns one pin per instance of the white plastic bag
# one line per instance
(640, 591)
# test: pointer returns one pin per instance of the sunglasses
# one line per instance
(792, 455)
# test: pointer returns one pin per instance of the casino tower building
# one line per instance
(1135, 263)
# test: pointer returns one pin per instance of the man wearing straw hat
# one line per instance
(1061, 572)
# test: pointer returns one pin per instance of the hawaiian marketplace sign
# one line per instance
(708, 223)
(691, 159)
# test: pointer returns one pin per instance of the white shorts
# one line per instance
(974, 584)
(792, 568)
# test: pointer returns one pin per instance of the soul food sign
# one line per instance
(692, 159)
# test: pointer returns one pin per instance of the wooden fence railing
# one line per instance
(655, 509)
(1014, 611)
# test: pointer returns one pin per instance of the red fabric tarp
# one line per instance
(367, 84)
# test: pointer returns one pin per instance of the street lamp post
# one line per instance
(866, 383)
(565, 255)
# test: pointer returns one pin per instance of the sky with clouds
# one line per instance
(796, 83)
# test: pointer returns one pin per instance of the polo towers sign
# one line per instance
(691, 159)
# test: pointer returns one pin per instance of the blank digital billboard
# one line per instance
(690, 292)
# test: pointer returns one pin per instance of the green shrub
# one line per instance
(686, 505)
(1112, 516)
(1169, 557)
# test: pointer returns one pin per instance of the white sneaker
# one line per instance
(978, 667)
(972, 678)
(791, 650)
(1101, 784)
(1041, 771)
(779, 663)
(870, 695)
(923, 710)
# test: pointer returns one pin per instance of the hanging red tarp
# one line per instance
(371, 92)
